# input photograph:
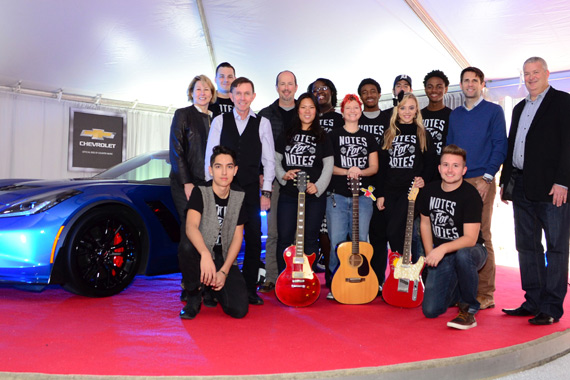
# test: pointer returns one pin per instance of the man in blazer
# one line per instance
(536, 176)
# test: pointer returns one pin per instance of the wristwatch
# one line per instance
(489, 180)
(266, 194)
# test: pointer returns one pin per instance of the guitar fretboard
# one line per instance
(407, 256)
(300, 239)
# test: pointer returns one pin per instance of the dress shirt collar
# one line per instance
(541, 95)
(238, 117)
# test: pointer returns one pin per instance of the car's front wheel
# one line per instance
(103, 252)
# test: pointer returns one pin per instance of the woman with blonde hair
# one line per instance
(407, 157)
(188, 138)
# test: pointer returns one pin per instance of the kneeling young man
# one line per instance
(214, 233)
(451, 234)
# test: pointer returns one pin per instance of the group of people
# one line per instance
(229, 163)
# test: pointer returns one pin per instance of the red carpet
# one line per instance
(139, 333)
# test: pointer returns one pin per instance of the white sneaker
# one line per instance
(330, 296)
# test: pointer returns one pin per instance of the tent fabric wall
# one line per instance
(36, 131)
(35, 134)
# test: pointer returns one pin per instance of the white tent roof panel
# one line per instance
(148, 50)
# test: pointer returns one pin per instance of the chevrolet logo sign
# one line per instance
(97, 134)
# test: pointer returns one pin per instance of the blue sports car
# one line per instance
(91, 235)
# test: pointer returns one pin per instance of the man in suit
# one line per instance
(536, 176)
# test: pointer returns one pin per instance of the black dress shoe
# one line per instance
(254, 299)
(518, 312)
(543, 319)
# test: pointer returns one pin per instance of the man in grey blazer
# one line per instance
(536, 176)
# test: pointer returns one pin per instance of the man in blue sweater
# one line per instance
(478, 126)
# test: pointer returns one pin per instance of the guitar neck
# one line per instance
(407, 255)
(300, 236)
(355, 227)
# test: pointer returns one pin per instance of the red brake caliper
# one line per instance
(118, 260)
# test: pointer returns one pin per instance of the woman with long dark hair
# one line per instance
(304, 147)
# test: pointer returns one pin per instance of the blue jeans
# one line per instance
(544, 278)
(454, 279)
(339, 222)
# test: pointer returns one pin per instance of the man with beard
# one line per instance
(325, 91)
(279, 113)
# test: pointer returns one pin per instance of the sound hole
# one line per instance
(355, 260)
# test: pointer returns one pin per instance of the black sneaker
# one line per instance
(209, 299)
(464, 321)
(192, 308)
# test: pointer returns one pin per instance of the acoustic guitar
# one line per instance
(298, 285)
(404, 286)
(355, 281)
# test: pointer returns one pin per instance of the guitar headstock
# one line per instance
(354, 185)
(412, 195)
(301, 181)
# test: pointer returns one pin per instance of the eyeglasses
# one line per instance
(318, 89)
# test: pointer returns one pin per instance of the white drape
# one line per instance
(34, 135)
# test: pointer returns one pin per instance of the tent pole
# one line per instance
(438, 33)
(207, 34)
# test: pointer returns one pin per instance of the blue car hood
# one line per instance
(14, 190)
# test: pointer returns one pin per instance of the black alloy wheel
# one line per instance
(104, 252)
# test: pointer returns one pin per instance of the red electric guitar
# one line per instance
(298, 285)
(404, 286)
(354, 281)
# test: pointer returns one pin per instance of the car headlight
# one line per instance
(37, 204)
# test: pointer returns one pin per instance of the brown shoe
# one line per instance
(463, 321)
(267, 287)
(486, 303)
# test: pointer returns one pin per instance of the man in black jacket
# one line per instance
(279, 113)
(536, 176)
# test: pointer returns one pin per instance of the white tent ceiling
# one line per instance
(148, 50)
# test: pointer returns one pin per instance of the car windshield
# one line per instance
(145, 167)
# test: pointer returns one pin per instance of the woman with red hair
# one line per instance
(355, 154)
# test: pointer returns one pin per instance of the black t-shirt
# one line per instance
(404, 161)
(350, 149)
(196, 203)
(376, 126)
(304, 153)
(437, 123)
(449, 211)
(286, 116)
(331, 120)
(222, 105)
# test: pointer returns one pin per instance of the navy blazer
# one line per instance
(547, 147)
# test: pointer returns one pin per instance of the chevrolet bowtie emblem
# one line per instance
(97, 134)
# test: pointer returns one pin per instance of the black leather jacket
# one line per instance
(188, 137)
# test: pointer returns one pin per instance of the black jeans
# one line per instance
(232, 297)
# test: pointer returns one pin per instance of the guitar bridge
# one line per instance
(404, 286)
(355, 280)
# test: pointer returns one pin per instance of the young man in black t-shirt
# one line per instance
(214, 233)
(436, 114)
(225, 75)
(451, 233)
